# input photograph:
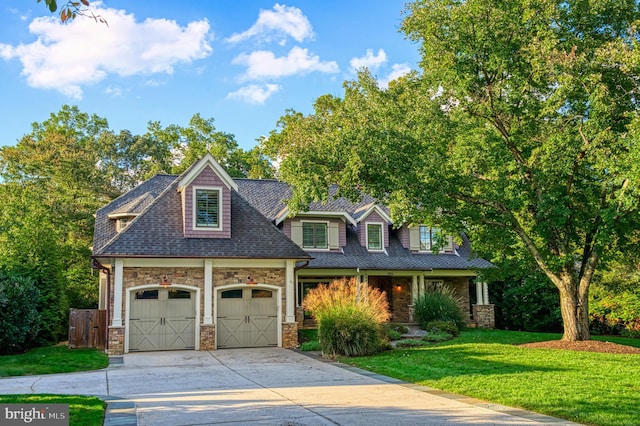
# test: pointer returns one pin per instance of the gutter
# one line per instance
(101, 267)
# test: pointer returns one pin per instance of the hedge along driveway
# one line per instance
(586, 387)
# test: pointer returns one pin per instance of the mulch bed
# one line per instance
(586, 345)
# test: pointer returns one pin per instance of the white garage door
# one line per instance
(247, 317)
(162, 319)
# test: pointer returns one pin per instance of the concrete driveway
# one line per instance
(265, 386)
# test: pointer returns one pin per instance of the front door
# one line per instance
(247, 317)
(162, 319)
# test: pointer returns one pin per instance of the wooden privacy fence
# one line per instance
(87, 328)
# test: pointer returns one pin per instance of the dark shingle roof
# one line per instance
(105, 228)
(270, 197)
(158, 232)
(396, 257)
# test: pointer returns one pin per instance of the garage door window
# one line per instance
(232, 294)
(259, 294)
(147, 295)
(179, 294)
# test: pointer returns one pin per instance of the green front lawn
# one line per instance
(83, 410)
(585, 387)
(52, 359)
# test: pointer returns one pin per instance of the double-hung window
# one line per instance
(207, 208)
(314, 235)
(428, 237)
(374, 236)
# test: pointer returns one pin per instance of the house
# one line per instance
(203, 261)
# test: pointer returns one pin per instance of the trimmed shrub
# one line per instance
(447, 327)
(437, 336)
(19, 317)
(311, 345)
(439, 303)
(349, 316)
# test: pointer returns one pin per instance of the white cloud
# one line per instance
(66, 57)
(369, 60)
(280, 22)
(264, 64)
(398, 70)
(254, 94)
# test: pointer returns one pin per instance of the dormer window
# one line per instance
(374, 236)
(206, 208)
(123, 223)
(428, 237)
(314, 235)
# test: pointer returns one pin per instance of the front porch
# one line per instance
(402, 288)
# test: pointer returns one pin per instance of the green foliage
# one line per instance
(350, 333)
(52, 360)
(524, 298)
(20, 320)
(437, 336)
(447, 327)
(438, 303)
(410, 343)
(491, 366)
(350, 317)
(520, 129)
(615, 312)
(83, 410)
(311, 345)
(394, 331)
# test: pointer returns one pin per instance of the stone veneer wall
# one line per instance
(484, 316)
(194, 277)
(401, 300)
(207, 337)
(116, 341)
(461, 288)
(271, 276)
(290, 335)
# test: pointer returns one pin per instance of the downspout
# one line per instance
(101, 267)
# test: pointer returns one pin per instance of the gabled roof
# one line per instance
(158, 230)
(207, 161)
(269, 197)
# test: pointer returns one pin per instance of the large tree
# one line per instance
(521, 129)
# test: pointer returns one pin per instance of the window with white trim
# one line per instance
(374, 236)
(429, 236)
(425, 238)
(206, 208)
(314, 235)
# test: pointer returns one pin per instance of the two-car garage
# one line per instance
(163, 318)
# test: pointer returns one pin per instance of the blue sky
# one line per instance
(242, 63)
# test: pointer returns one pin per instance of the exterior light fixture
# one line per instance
(165, 282)
(250, 280)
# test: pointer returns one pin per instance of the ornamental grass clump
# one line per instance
(350, 317)
(439, 303)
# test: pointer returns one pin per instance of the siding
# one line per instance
(207, 178)
(374, 217)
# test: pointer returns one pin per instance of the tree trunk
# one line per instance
(574, 308)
